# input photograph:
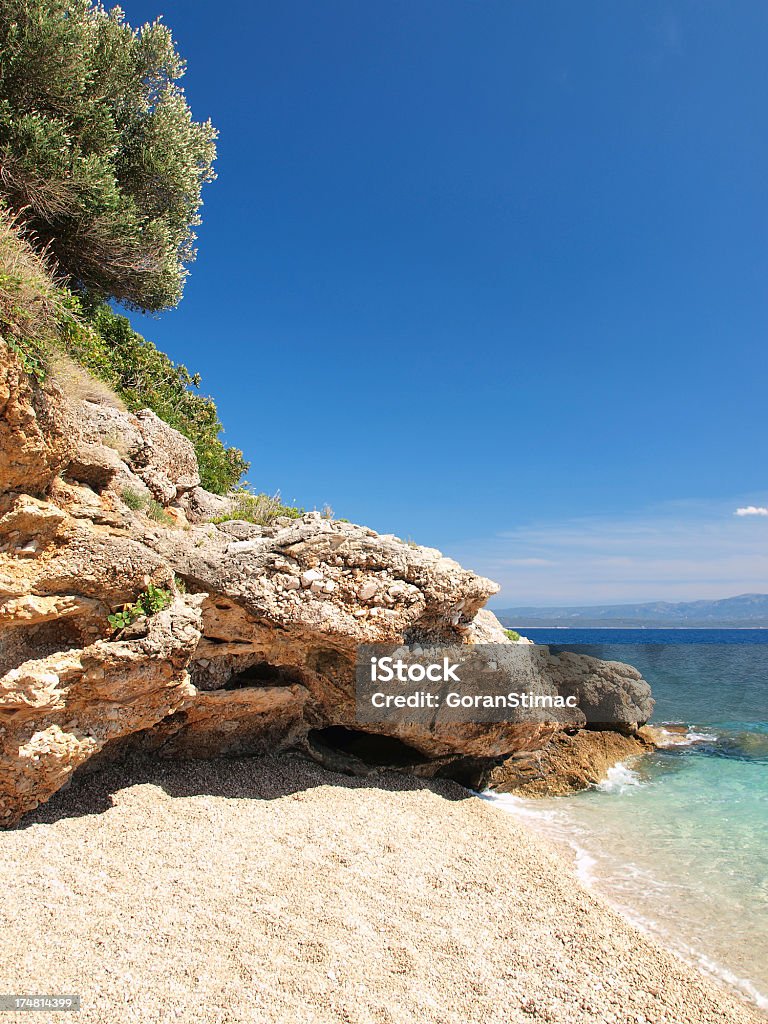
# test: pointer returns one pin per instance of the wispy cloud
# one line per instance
(677, 552)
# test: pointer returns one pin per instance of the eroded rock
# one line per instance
(257, 656)
(569, 762)
(57, 712)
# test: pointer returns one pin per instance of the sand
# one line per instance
(273, 891)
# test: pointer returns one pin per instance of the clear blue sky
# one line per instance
(492, 274)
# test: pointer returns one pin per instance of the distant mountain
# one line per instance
(746, 610)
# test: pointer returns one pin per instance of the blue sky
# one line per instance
(492, 275)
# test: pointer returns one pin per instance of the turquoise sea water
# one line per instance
(679, 839)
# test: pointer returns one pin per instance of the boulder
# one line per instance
(567, 763)
(157, 454)
(200, 506)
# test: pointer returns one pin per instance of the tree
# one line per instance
(99, 155)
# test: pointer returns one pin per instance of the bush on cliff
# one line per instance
(99, 154)
(101, 169)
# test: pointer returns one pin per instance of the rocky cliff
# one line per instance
(254, 648)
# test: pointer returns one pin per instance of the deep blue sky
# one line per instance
(492, 274)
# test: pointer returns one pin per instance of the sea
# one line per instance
(678, 840)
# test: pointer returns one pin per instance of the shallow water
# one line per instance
(679, 839)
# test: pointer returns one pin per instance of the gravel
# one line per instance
(274, 891)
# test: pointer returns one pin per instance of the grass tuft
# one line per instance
(261, 509)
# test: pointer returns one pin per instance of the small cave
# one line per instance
(264, 674)
(371, 748)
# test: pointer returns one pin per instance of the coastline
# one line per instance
(274, 890)
(583, 858)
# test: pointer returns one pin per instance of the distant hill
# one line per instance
(746, 610)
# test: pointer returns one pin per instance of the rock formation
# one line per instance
(256, 649)
(572, 760)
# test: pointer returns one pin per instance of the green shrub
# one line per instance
(149, 602)
(512, 634)
(45, 325)
(261, 509)
(151, 508)
(99, 152)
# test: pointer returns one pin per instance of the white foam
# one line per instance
(548, 822)
(585, 864)
(742, 984)
(619, 779)
(517, 805)
(669, 738)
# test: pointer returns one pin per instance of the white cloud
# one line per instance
(752, 510)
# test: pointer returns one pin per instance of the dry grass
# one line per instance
(32, 305)
(78, 384)
(261, 509)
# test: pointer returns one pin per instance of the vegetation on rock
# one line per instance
(144, 377)
(40, 320)
(261, 509)
(149, 602)
(32, 307)
(101, 170)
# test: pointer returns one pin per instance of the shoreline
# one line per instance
(274, 890)
(583, 862)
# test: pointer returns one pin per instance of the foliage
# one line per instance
(144, 377)
(136, 501)
(512, 634)
(48, 327)
(39, 319)
(261, 509)
(98, 151)
(149, 602)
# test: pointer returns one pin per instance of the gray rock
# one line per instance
(201, 506)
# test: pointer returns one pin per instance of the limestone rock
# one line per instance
(159, 455)
(167, 461)
(57, 712)
(200, 506)
(259, 654)
(36, 431)
(613, 695)
(569, 762)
